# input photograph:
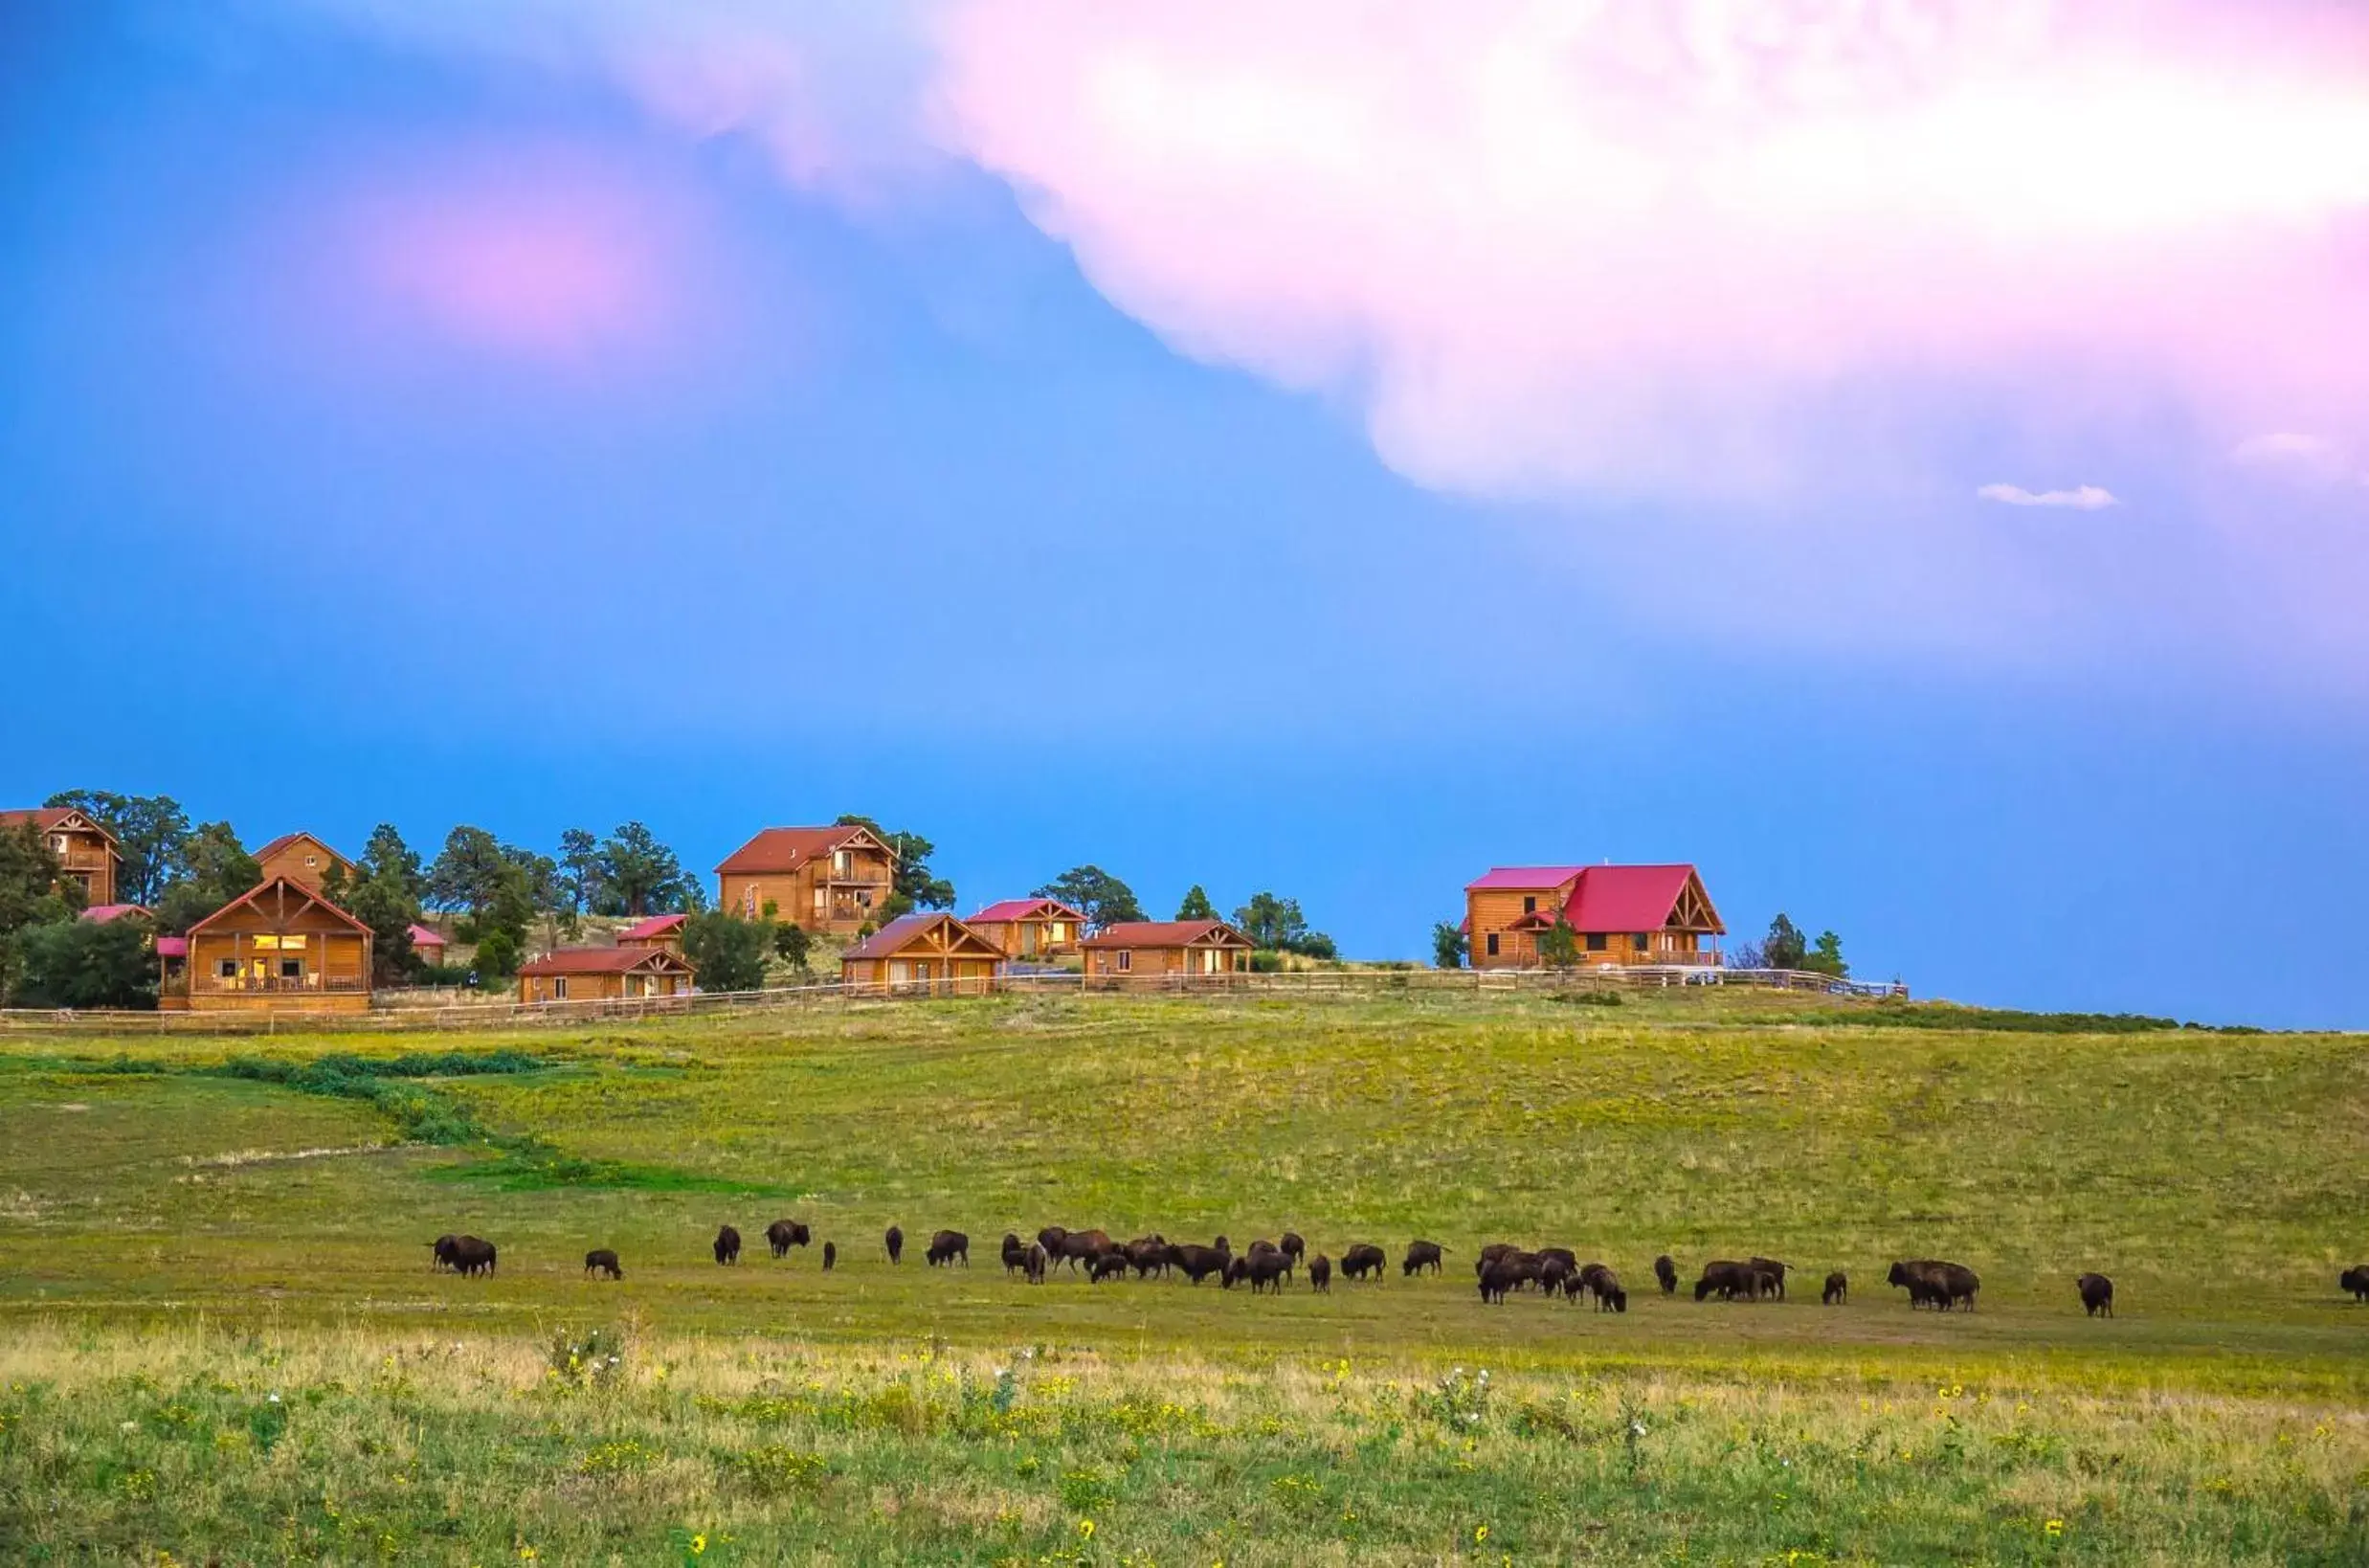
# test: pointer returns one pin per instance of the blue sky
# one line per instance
(421, 427)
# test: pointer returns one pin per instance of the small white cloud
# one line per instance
(2089, 498)
(2286, 446)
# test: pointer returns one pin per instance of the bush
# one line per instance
(497, 956)
(1266, 961)
(729, 950)
(79, 963)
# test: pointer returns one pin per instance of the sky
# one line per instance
(1909, 459)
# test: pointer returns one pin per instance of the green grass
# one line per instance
(280, 1193)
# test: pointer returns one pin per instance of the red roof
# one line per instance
(172, 947)
(1167, 933)
(894, 936)
(602, 961)
(286, 887)
(654, 926)
(423, 937)
(1027, 909)
(101, 913)
(777, 850)
(1626, 898)
(1524, 877)
(46, 818)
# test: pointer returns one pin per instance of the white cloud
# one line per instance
(2088, 497)
(2288, 446)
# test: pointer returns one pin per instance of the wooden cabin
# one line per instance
(86, 852)
(825, 879)
(1035, 930)
(102, 914)
(280, 946)
(1154, 951)
(657, 931)
(605, 974)
(300, 856)
(429, 944)
(930, 952)
(1619, 914)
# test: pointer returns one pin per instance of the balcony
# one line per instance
(255, 985)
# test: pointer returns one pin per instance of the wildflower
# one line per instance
(2053, 1529)
(1479, 1535)
(526, 1553)
(699, 1545)
(1086, 1530)
(272, 1398)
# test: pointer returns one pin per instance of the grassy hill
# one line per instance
(276, 1190)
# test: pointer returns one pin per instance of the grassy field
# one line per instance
(189, 1224)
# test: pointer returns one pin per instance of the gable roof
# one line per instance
(1523, 878)
(1167, 933)
(423, 937)
(288, 839)
(49, 819)
(1027, 909)
(905, 930)
(776, 850)
(281, 889)
(654, 926)
(606, 961)
(100, 914)
(1631, 898)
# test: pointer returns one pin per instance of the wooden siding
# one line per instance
(597, 986)
(84, 858)
(1490, 911)
(815, 895)
(1032, 939)
(304, 859)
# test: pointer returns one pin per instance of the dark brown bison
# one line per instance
(471, 1255)
(1556, 1276)
(1423, 1255)
(1034, 1263)
(784, 1234)
(602, 1260)
(1933, 1283)
(1490, 1254)
(440, 1251)
(949, 1246)
(1363, 1260)
(1320, 1276)
(1728, 1279)
(1198, 1263)
(1666, 1271)
(1051, 1239)
(1081, 1246)
(2097, 1294)
(1015, 1252)
(1147, 1255)
(1293, 1247)
(728, 1245)
(2354, 1280)
(1563, 1255)
(1838, 1291)
(1776, 1272)
(895, 1239)
(1107, 1266)
(1503, 1276)
(830, 1256)
(1265, 1270)
(1604, 1285)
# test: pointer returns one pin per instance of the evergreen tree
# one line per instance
(1197, 906)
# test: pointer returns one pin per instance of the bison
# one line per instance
(895, 1240)
(1492, 1253)
(1933, 1283)
(440, 1252)
(830, 1256)
(1293, 1247)
(784, 1234)
(1838, 1291)
(2097, 1294)
(602, 1260)
(1774, 1272)
(1729, 1279)
(1034, 1261)
(2354, 1280)
(1423, 1255)
(1147, 1255)
(1601, 1283)
(1362, 1260)
(1666, 1271)
(1563, 1255)
(947, 1246)
(1198, 1262)
(1081, 1246)
(470, 1254)
(1015, 1252)
(728, 1245)
(1503, 1276)
(1107, 1266)
(1320, 1276)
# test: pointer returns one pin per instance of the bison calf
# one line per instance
(602, 1260)
(1107, 1266)
(1666, 1271)
(1320, 1276)
(1032, 1262)
(2097, 1295)
(830, 1255)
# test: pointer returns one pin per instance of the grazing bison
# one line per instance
(1933, 1283)
(472, 1256)
(1774, 1272)
(1198, 1262)
(1490, 1254)
(830, 1256)
(1729, 1279)
(1293, 1247)
(896, 1244)
(728, 1245)
(602, 1260)
(1563, 1255)
(1050, 1238)
(1033, 1265)
(1320, 1276)
(1106, 1265)
(948, 1246)
(1556, 1276)
(1015, 1254)
(1503, 1276)
(2356, 1280)
(1601, 1283)
(1666, 1271)
(1265, 1270)
(1147, 1255)
(440, 1252)
(784, 1234)
(1423, 1255)
(2097, 1294)
(1838, 1291)
(1081, 1246)
(1362, 1260)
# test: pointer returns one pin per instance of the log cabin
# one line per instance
(1154, 951)
(1619, 914)
(657, 931)
(1035, 929)
(825, 879)
(280, 946)
(429, 944)
(605, 974)
(925, 951)
(102, 914)
(300, 856)
(86, 852)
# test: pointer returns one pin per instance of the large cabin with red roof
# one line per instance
(1619, 914)
(923, 952)
(280, 946)
(85, 852)
(1033, 930)
(604, 974)
(1146, 953)
(825, 879)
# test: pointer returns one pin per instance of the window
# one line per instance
(559, 989)
(292, 968)
(1640, 941)
(1126, 960)
(1595, 941)
(227, 970)
(311, 861)
(1492, 944)
(1529, 904)
(841, 863)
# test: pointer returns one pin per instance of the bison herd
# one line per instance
(1500, 1269)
